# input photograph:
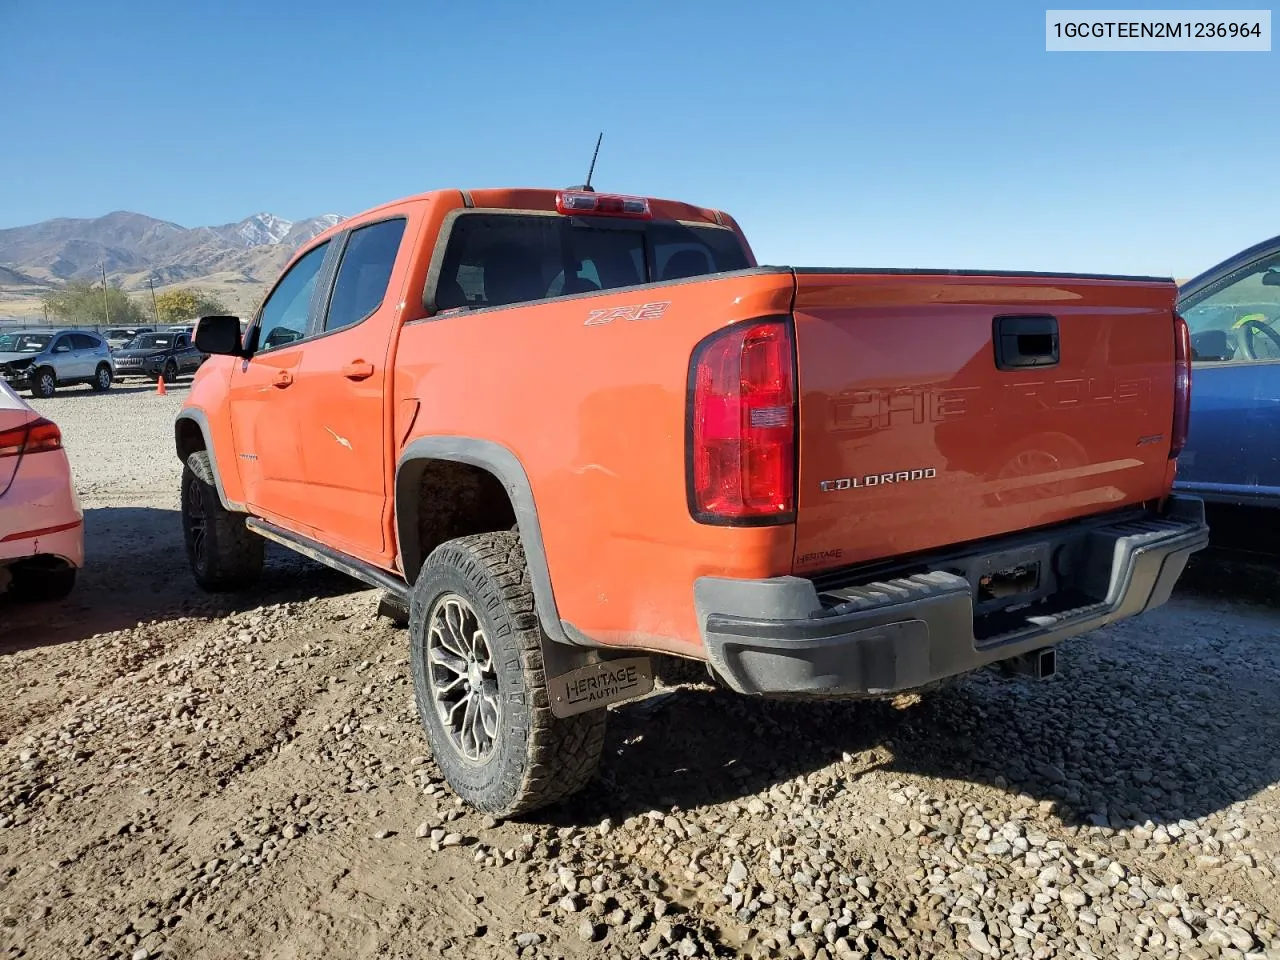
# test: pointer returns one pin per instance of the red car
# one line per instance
(41, 523)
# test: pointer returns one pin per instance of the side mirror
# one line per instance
(62, 348)
(219, 335)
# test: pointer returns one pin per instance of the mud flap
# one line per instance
(594, 686)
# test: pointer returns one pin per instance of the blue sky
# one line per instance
(873, 134)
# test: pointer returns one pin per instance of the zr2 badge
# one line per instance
(642, 311)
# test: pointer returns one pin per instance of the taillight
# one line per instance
(34, 436)
(1181, 385)
(742, 429)
(602, 204)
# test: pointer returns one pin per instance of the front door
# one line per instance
(343, 384)
(264, 411)
(63, 352)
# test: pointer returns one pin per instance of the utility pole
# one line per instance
(155, 309)
(106, 308)
(46, 314)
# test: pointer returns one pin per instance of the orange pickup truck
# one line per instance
(572, 433)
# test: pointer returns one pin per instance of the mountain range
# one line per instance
(134, 248)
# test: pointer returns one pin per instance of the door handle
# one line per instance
(358, 370)
(283, 378)
(1030, 341)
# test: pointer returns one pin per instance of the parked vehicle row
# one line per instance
(42, 360)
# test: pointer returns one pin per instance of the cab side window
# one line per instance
(287, 310)
(365, 271)
(62, 344)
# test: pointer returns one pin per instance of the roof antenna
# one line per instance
(590, 172)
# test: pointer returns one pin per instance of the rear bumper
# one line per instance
(40, 513)
(63, 541)
(783, 636)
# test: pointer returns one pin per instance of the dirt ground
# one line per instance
(183, 776)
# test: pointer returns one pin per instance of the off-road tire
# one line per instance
(232, 556)
(537, 759)
(102, 378)
(44, 383)
(41, 584)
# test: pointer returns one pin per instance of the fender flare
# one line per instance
(503, 464)
(198, 417)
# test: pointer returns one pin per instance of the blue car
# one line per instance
(1232, 454)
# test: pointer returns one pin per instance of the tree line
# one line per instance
(81, 302)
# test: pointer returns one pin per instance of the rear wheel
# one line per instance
(43, 383)
(102, 378)
(480, 685)
(223, 553)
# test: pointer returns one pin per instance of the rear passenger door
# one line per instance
(85, 350)
(343, 384)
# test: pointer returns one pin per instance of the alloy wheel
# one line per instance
(197, 522)
(463, 678)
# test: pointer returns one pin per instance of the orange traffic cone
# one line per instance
(160, 390)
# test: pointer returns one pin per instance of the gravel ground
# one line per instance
(183, 776)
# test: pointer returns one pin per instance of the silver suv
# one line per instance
(43, 360)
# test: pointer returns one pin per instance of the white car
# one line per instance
(41, 522)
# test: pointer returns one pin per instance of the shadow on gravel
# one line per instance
(1234, 575)
(1175, 722)
(136, 571)
(1106, 747)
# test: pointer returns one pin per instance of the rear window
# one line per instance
(493, 259)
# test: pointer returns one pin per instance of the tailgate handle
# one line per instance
(1022, 342)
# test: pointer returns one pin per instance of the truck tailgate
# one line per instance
(938, 409)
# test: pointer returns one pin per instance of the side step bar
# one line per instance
(352, 567)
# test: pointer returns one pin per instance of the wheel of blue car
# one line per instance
(43, 383)
(170, 372)
(102, 378)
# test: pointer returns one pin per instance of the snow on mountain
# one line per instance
(262, 228)
(304, 230)
(131, 243)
